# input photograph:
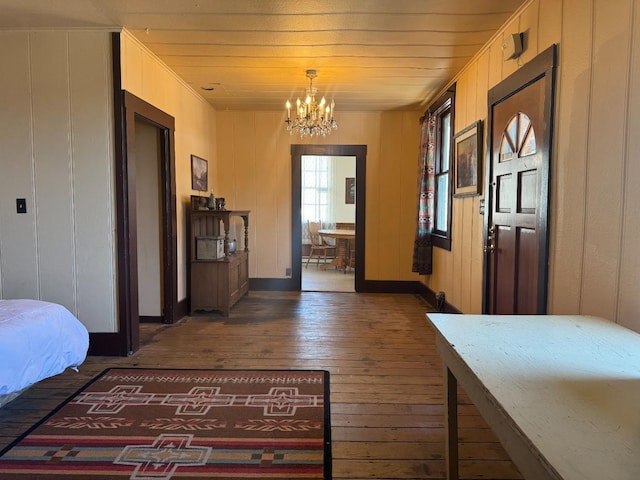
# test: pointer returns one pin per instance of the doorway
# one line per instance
(359, 153)
(328, 202)
(159, 126)
(148, 157)
(520, 126)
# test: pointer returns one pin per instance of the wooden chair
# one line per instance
(319, 247)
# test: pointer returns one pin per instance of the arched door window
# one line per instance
(518, 139)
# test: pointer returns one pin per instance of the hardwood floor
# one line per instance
(386, 377)
(315, 279)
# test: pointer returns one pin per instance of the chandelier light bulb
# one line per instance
(312, 118)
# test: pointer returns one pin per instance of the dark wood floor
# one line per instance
(386, 377)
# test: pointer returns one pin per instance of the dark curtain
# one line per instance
(422, 248)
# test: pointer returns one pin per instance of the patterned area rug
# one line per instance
(183, 424)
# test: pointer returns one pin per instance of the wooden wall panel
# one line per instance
(255, 156)
(371, 135)
(459, 272)
(609, 93)
(266, 188)
(145, 76)
(569, 170)
(628, 298)
(52, 159)
(93, 197)
(549, 22)
(57, 139)
(477, 235)
(18, 262)
(528, 24)
(389, 187)
(594, 267)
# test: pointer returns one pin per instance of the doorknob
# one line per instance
(489, 248)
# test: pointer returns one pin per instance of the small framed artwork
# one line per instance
(350, 191)
(198, 202)
(467, 153)
(199, 174)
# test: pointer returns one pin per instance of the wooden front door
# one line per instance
(516, 227)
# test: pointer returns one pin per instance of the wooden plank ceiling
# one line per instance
(370, 54)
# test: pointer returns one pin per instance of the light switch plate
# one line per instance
(21, 205)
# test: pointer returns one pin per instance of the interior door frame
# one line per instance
(542, 67)
(128, 107)
(360, 153)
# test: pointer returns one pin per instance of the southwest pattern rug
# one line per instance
(151, 424)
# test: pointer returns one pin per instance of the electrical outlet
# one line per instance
(21, 205)
(287, 272)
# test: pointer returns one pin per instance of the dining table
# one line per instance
(343, 239)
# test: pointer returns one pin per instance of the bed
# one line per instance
(37, 340)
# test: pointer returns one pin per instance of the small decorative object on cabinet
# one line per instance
(218, 283)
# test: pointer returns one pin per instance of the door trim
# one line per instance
(127, 108)
(542, 66)
(297, 151)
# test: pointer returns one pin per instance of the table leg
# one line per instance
(339, 260)
(451, 424)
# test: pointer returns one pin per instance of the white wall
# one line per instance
(343, 167)
(56, 133)
(149, 220)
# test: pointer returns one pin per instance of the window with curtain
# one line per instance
(433, 226)
(443, 113)
(316, 184)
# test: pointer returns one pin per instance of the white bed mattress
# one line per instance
(37, 340)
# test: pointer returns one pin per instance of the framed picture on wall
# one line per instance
(199, 173)
(467, 152)
(199, 202)
(350, 191)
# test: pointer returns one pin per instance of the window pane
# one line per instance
(446, 138)
(442, 202)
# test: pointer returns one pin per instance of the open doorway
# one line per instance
(353, 151)
(157, 129)
(328, 210)
(148, 159)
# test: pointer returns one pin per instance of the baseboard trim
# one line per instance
(389, 286)
(182, 309)
(369, 286)
(107, 344)
(431, 298)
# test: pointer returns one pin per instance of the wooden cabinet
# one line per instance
(218, 283)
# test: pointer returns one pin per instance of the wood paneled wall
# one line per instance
(594, 262)
(145, 76)
(254, 168)
(56, 133)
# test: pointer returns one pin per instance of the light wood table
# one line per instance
(343, 247)
(562, 393)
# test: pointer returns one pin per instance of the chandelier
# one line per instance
(312, 118)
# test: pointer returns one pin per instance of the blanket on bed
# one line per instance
(37, 340)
